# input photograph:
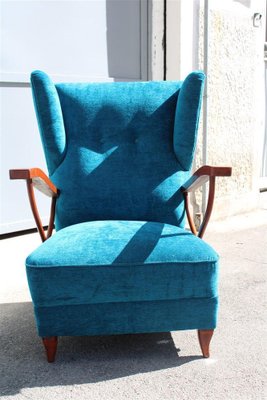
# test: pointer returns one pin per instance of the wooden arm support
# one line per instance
(35, 177)
(201, 176)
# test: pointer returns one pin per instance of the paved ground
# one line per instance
(164, 366)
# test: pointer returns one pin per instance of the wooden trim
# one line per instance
(35, 210)
(189, 218)
(213, 171)
(36, 178)
(208, 211)
(52, 218)
(202, 175)
(50, 344)
(204, 337)
(39, 179)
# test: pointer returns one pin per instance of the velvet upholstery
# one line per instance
(133, 137)
(121, 260)
(121, 318)
(138, 261)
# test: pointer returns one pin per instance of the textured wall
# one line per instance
(235, 101)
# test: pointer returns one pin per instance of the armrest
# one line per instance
(39, 179)
(35, 177)
(201, 176)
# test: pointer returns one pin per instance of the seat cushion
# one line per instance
(121, 261)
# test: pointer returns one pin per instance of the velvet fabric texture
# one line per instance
(125, 150)
(120, 261)
(121, 318)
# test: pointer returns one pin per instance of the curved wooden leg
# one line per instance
(50, 344)
(204, 338)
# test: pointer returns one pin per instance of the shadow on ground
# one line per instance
(80, 359)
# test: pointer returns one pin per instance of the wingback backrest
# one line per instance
(118, 150)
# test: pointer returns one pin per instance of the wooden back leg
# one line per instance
(50, 344)
(204, 337)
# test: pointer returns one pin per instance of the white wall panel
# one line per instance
(71, 41)
(87, 39)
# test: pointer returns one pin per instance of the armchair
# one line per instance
(119, 157)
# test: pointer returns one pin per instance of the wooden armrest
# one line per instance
(35, 177)
(39, 179)
(201, 176)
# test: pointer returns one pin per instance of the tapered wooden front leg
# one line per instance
(50, 344)
(204, 337)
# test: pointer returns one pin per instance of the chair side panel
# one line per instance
(187, 118)
(49, 117)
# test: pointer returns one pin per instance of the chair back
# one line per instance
(120, 150)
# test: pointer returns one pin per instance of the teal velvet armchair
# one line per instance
(119, 157)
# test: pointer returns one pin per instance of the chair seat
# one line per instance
(141, 261)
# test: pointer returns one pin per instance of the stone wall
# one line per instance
(235, 90)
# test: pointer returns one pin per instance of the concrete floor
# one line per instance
(163, 366)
